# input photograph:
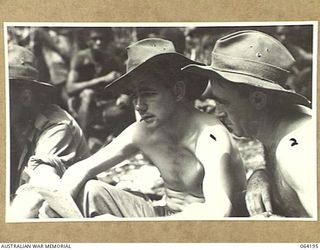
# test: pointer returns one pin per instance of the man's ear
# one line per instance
(26, 97)
(258, 99)
(179, 90)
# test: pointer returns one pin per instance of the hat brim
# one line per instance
(32, 82)
(121, 84)
(239, 78)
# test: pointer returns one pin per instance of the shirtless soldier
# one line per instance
(193, 151)
(248, 74)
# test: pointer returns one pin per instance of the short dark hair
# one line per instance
(171, 73)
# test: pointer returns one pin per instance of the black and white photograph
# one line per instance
(161, 121)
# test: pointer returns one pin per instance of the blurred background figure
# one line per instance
(54, 48)
(90, 69)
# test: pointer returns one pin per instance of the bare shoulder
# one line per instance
(130, 131)
(139, 133)
(296, 158)
(298, 139)
(297, 149)
(219, 155)
(213, 134)
(216, 142)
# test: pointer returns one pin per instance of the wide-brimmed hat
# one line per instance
(22, 67)
(252, 58)
(157, 53)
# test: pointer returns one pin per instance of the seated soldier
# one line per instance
(202, 172)
(248, 75)
(44, 139)
(90, 70)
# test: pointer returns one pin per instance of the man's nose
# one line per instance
(140, 106)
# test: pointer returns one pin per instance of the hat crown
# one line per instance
(255, 54)
(255, 46)
(145, 49)
(22, 63)
(252, 58)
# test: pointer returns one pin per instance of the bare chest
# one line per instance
(178, 165)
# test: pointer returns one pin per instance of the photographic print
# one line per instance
(161, 121)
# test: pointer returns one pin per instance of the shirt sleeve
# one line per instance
(57, 147)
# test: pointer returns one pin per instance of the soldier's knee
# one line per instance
(93, 188)
(87, 95)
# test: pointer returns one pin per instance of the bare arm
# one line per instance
(296, 157)
(217, 182)
(258, 195)
(215, 156)
(74, 87)
(118, 150)
(121, 148)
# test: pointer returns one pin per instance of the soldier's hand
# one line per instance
(111, 76)
(258, 196)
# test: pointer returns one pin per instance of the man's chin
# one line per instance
(240, 134)
(234, 130)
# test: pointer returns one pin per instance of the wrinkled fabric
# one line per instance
(98, 198)
(55, 140)
(51, 160)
